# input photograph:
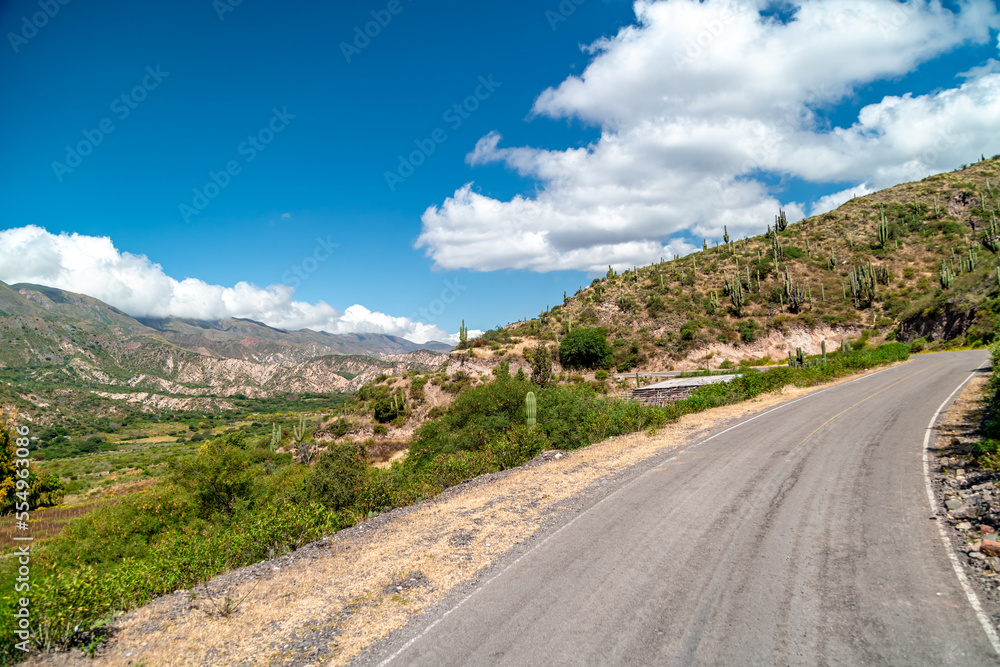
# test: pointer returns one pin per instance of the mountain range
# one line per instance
(56, 339)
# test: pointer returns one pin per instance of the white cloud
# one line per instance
(696, 101)
(132, 283)
(832, 201)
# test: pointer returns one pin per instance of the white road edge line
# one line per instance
(984, 620)
(430, 627)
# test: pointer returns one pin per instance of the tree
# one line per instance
(586, 348)
(219, 475)
(338, 477)
(43, 490)
(541, 365)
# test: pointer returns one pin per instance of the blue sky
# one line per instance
(577, 157)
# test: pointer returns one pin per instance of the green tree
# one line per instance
(42, 490)
(338, 476)
(219, 476)
(586, 348)
(541, 365)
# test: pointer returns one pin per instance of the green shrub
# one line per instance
(338, 477)
(586, 348)
(219, 475)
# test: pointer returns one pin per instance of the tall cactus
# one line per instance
(794, 294)
(781, 221)
(299, 432)
(992, 237)
(530, 409)
(947, 276)
(864, 284)
(823, 346)
(737, 296)
(725, 234)
(463, 334)
(275, 437)
(883, 231)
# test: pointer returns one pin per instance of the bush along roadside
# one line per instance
(233, 504)
(987, 450)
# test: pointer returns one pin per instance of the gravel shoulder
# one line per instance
(968, 495)
(332, 600)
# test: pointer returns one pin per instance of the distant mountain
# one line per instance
(51, 338)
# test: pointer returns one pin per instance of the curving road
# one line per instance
(801, 536)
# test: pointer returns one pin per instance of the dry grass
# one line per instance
(344, 596)
(44, 523)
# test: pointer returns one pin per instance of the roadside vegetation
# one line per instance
(987, 450)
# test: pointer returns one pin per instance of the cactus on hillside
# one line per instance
(530, 409)
(991, 239)
(947, 276)
(275, 437)
(463, 334)
(824, 352)
(794, 294)
(864, 284)
(725, 234)
(883, 231)
(781, 221)
(299, 432)
(737, 296)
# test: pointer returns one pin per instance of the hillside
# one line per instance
(918, 260)
(66, 350)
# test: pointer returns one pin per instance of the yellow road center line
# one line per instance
(864, 400)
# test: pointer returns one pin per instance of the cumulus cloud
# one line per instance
(134, 284)
(700, 103)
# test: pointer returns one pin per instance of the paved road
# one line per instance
(800, 537)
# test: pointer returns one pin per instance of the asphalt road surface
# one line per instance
(801, 536)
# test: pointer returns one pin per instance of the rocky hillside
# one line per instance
(918, 260)
(59, 344)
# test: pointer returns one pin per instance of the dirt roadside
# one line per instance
(326, 603)
(968, 496)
